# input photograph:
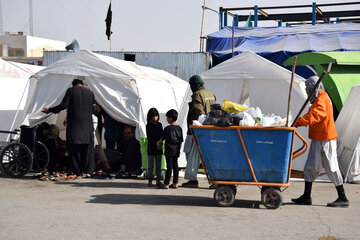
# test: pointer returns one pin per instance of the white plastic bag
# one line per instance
(197, 123)
(272, 121)
(247, 120)
(255, 113)
(201, 119)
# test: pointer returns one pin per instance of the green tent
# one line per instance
(344, 74)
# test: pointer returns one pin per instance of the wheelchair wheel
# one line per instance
(41, 157)
(16, 160)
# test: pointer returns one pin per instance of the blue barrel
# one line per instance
(224, 157)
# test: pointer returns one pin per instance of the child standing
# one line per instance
(154, 132)
(173, 138)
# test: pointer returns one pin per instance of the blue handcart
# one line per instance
(238, 155)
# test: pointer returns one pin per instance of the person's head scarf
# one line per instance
(195, 83)
(310, 85)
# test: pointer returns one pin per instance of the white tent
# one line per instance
(126, 91)
(14, 93)
(348, 129)
(251, 79)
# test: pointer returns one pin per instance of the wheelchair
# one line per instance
(23, 153)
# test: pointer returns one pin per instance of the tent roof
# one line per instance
(226, 32)
(279, 43)
(316, 58)
(123, 89)
(248, 65)
(321, 37)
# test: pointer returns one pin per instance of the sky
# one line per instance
(137, 25)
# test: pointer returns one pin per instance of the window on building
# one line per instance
(130, 57)
(16, 52)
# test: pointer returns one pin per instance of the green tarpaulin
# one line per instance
(344, 74)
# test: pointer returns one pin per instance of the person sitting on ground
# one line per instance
(131, 155)
(57, 150)
(42, 132)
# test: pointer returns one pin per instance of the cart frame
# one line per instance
(265, 185)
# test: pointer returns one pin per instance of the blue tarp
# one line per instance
(279, 43)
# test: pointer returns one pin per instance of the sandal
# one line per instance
(173, 186)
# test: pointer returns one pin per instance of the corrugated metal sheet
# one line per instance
(180, 64)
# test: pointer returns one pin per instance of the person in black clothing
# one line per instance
(173, 138)
(154, 132)
(80, 104)
(131, 155)
(57, 150)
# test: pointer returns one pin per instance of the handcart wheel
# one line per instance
(263, 189)
(234, 189)
(16, 160)
(224, 196)
(271, 198)
(41, 157)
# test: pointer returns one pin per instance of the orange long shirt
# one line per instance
(320, 119)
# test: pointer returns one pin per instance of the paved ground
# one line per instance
(127, 209)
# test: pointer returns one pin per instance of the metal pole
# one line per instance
(221, 12)
(31, 18)
(202, 25)
(232, 37)
(255, 15)
(225, 18)
(220, 20)
(313, 13)
(1, 21)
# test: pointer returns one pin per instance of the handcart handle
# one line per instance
(9, 132)
(305, 145)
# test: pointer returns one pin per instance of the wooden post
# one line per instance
(291, 83)
(202, 25)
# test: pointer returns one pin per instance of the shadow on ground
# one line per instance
(169, 200)
(26, 177)
(104, 184)
(110, 184)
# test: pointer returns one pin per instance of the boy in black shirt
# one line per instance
(173, 138)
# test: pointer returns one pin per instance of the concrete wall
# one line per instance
(36, 46)
(28, 46)
(9, 42)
